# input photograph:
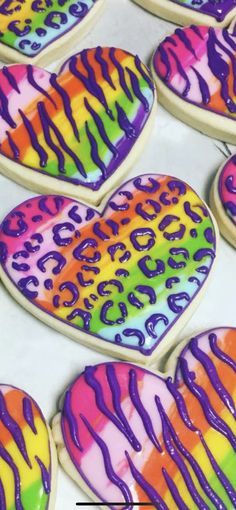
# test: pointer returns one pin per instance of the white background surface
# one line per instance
(42, 361)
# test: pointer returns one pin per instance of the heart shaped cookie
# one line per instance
(223, 199)
(78, 131)
(38, 30)
(28, 460)
(183, 12)
(170, 440)
(123, 281)
(195, 76)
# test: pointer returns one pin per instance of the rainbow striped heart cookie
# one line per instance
(124, 280)
(166, 439)
(195, 77)
(28, 460)
(77, 132)
(43, 30)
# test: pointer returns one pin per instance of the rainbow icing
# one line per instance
(168, 440)
(29, 26)
(227, 188)
(124, 276)
(80, 125)
(197, 63)
(25, 456)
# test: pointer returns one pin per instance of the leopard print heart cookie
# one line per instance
(42, 30)
(79, 130)
(166, 439)
(124, 280)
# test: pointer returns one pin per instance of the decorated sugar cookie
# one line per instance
(28, 460)
(223, 199)
(42, 30)
(123, 280)
(167, 439)
(183, 12)
(78, 131)
(194, 72)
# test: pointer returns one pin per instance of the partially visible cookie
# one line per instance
(223, 199)
(28, 461)
(194, 72)
(43, 30)
(183, 12)
(126, 434)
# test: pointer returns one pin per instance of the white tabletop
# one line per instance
(42, 361)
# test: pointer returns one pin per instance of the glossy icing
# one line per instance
(227, 188)
(80, 125)
(197, 63)
(125, 276)
(170, 441)
(25, 458)
(30, 26)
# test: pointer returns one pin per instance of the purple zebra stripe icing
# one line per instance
(76, 126)
(27, 469)
(185, 425)
(197, 64)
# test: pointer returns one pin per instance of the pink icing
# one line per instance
(105, 408)
(227, 188)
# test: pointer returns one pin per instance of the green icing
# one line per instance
(115, 134)
(228, 468)
(34, 498)
(158, 283)
(39, 20)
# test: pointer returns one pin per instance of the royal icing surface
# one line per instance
(29, 26)
(227, 188)
(197, 63)
(125, 276)
(214, 8)
(80, 125)
(25, 459)
(170, 441)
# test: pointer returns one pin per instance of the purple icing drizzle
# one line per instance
(28, 414)
(46, 479)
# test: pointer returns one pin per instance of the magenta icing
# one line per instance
(197, 64)
(227, 188)
(167, 440)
